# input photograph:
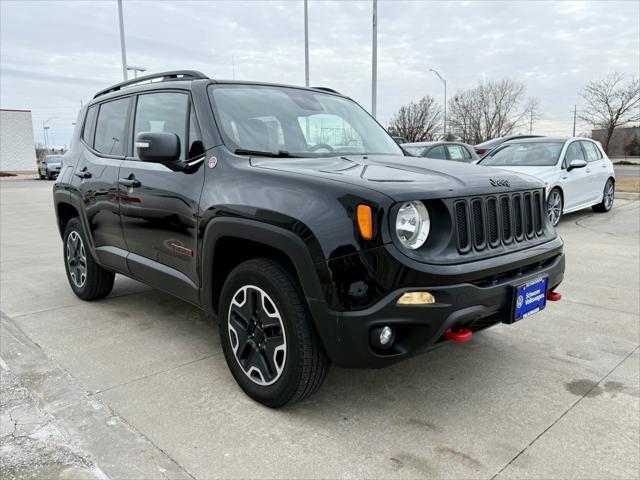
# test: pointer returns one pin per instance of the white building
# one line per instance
(17, 148)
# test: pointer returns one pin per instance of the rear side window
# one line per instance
(110, 127)
(437, 152)
(458, 153)
(163, 112)
(593, 153)
(89, 124)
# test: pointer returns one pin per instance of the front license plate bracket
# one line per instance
(529, 298)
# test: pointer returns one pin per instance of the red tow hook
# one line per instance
(459, 335)
(553, 296)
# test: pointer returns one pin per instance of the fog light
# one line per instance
(382, 337)
(386, 335)
(416, 298)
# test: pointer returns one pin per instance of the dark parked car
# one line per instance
(483, 148)
(49, 167)
(456, 151)
(238, 198)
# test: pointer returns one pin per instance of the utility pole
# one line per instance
(123, 48)
(374, 60)
(45, 129)
(575, 107)
(136, 70)
(306, 43)
(444, 82)
(531, 123)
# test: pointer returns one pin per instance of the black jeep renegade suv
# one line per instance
(292, 216)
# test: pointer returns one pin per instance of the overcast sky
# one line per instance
(56, 54)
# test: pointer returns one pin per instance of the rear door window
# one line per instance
(89, 124)
(110, 127)
(437, 152)
(593, 153)
(457, 153)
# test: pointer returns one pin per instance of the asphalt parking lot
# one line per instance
(135, 386)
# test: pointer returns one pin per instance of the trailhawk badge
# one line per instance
(500, 182)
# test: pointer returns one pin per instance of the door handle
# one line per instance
(130, 182)
(83, 174)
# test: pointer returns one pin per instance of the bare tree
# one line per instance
(492, 109)
(417, 122)
(611, 103)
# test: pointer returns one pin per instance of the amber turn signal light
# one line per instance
(365, 221)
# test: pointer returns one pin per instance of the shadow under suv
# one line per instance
(292, 216)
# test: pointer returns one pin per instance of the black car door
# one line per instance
(159, 208)
(96, 178)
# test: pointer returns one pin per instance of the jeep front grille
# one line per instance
(491, 221)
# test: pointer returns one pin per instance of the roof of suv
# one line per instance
(191, 75)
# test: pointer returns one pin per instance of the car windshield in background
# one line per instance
(295, 122)
(415, 151)
(525, 154)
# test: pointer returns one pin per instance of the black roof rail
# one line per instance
(327, 89)
(162, 76)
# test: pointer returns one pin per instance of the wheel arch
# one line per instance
(230, 241)
(65, 212)
(559, 188)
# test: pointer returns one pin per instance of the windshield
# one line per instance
(300, 122)
(415, 151)
(525, 154)
(51, 159)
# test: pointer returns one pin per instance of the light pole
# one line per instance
(374, 60)
(123, 48)
(306, 43)
(136, 70)
(445, 98)
(46, 127)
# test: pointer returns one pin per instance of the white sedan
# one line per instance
(576, 171)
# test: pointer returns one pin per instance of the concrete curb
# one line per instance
(628, 195)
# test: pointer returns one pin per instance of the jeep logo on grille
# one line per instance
(500, 182)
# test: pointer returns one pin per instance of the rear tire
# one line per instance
(608, 196)
(267, 334)
(87, 279)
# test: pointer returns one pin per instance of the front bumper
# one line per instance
(474, 305)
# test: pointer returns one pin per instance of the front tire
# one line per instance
(267, 334)
(607, 198)
(555, 205)
(87, 279)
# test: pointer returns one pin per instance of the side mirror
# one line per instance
(158, 147)
(576, 164)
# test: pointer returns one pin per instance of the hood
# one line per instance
(405, 178)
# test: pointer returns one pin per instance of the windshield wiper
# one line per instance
(259, 153)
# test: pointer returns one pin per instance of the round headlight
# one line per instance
(412, 224)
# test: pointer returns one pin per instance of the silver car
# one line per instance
(49, 168)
